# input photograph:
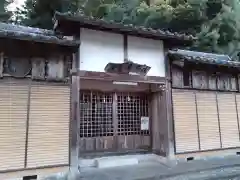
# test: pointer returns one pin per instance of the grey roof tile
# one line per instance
(202, 57)
(158, 33)
(33, 34)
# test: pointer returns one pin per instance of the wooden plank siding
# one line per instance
(208, 121)
(48, 142)
(34, 124)
(214, 124)
(13, 117)
(177, 77)
(185, 121)
(228, 120)
(204, 80)
(199, 79)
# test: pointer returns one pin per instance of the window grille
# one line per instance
(96, 114)
(130, 109)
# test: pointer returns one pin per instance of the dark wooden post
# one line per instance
(75, 119)
(169, 108)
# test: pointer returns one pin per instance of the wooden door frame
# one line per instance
(115, 148)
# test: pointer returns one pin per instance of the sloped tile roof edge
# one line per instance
(86, 20)
(33, 34)
(202, 57)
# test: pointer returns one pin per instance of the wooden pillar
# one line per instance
(162, 117)
(170, 152)
(75, 116)
(75, 104)
(170, 139)
(159, 128)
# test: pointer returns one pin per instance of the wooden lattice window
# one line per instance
(97, 119)
(96, 114)
(130, 109)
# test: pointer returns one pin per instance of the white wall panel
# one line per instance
(98, 48)
(149, 52)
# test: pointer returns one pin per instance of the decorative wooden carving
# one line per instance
(1, 63)
(220, 83)
(55, 68)
(127, 68)
(177, 77)
(38, 68)
(200, 79)
(212, 81)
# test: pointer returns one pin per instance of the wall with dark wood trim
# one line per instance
(218, 79)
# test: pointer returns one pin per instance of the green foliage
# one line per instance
(222, 33)
(216, 23)
(39, 13)
(5, 15)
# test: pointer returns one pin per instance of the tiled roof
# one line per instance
(123, 28)
(33, 34)
(201, 57)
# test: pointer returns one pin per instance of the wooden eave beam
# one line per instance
(103, 76)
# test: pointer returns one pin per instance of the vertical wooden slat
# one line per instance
(228, 120)
(125, 47)
(198, 131)
(55, 68)
(27, 124)
(90, 144)
(233, 82)
(38, 68)
(1, 64)
(138, 143)
(177, 77)
(212, 81)
(219, 124)
(109, 143)
(200, 79)
(208, 121)
(115, 121)
(82, 146)
(185, 121)
(236, 103)
(158, 121)
(99, 144)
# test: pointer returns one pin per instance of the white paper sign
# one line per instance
(144, 123)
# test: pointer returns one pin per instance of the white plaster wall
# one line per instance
(149, 52)
(98, 48)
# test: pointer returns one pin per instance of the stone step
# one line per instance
(114, 161)
(110, 162)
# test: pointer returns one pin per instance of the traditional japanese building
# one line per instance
(124, 86)
(93, 88)
(139, 94)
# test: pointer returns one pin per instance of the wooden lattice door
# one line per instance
(112, 121)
